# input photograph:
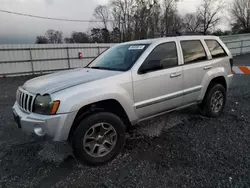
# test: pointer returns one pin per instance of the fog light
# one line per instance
(39, 131)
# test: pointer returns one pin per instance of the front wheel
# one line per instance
(99, 138)
(214, 101)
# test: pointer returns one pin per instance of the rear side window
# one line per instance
(162, 57)
(215, 49)
(193, 51)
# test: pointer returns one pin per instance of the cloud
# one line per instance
(101, 2)
(19, 28)
(49, 2)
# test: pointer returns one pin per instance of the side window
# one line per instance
(162, 57)
(193, 51)
(215, 48)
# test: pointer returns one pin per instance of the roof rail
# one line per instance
(182, 34)
(192, 33)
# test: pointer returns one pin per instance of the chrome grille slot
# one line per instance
(19, 96)
(21, 102)
(27, 103)
(30, 101)
(25, 100)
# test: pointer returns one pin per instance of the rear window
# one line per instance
(215, 48)
(193, 51)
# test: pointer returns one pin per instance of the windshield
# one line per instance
(119, 58)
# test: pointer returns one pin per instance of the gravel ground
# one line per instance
(181, 149)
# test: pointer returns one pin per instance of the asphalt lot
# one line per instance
(181, 149)
(242, 60)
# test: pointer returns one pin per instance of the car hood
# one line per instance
(52, 83)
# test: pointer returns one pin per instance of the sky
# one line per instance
(19, 29)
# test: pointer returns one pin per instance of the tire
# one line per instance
(92, 143)
(207, 107)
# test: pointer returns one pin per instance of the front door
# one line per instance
(158, 84)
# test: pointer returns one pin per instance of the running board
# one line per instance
(164, 112)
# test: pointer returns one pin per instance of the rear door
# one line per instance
(196, 64)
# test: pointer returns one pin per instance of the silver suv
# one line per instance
(93, 107)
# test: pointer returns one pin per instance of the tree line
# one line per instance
(141, 19)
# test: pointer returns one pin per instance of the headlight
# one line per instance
(44, 105)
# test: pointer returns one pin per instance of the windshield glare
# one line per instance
(120, 58)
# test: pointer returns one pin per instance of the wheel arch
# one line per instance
(108, 105)
(216, 80)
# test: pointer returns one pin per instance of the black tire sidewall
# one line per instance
(208, 110)
(84, 126)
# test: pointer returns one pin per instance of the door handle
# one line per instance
(175, 75)
(207, 67)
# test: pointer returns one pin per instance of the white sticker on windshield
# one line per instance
(139, 47)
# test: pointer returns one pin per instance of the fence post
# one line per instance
(68, 57)
(31, 61)
(98, 49)
(241, 48)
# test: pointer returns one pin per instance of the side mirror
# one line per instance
(149, 66)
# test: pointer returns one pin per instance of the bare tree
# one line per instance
(154, 19)
(123, 12)
(170, 17)
(208, 13)
(102, 13)
(240, 14)
(141, 18)
(116, 23)
(192, 22)
(54, 36)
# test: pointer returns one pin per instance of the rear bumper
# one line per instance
(229, 80)
(55, 126)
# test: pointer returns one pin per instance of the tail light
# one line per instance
(231, 63)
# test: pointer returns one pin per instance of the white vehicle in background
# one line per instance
(92, 107)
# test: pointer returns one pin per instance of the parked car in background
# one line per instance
(131, 82)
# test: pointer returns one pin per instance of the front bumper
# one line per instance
(55, 126)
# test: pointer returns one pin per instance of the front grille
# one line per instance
(25, 100)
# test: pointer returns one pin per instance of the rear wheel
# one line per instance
(214, 101)
(99, 138)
